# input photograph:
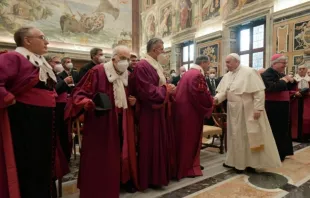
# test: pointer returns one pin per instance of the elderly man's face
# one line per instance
(231, 63)
(302, 72)
(36, 42)
(308, 72)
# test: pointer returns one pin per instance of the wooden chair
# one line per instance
(217, 131)
(77, 129)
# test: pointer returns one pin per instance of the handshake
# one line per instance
(171, 88)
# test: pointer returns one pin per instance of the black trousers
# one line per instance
(32, 134)
(62, 129)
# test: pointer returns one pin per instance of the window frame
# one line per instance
(251, 51)
(188, 62)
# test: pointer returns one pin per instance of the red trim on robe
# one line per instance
(38, 97)
(9, 186)
(278, 96)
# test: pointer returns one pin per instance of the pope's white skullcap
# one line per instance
(235, 56)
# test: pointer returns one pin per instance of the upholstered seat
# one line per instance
(209, 131)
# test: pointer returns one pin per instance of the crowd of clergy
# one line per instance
(140, 130)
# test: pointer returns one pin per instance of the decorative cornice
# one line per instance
(292, 12)
(247, 14)
(208, 37)
(186, 35)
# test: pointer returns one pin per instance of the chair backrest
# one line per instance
(220, 119)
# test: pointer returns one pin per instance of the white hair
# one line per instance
(235, 56)
(278, 59)
(119, 48)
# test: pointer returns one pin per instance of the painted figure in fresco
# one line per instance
(208, 7)
(184, 12)
(151, 27)
(164, 25)
(93, 23)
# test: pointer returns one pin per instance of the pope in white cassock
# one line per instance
(250, 142)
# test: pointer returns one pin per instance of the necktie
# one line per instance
(213, 86)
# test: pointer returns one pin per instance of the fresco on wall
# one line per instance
(298, 60)
(150, 28)
(240, 3)
(210, 9)
(212, 51)
(183, 14)
(165, 24)
(302, 35)
(94, 22)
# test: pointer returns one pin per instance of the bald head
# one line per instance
(232, 61)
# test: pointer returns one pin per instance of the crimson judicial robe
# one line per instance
(129, 170)
(26, 154)
(193, 103)
(99, 174)
(300, 117)
(153, 156)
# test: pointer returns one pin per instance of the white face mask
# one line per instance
(162, 59)
(58, 68)
(101, 59)
(173, 74)
(122, 65)
(212, 76)
(69, 65)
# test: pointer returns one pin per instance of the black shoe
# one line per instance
(250, 170)
(202, 168)
(226, 166)
(239, 171)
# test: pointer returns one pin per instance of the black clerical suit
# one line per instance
(212, 84)
(278, 111)
(60, 125)
(84, 70)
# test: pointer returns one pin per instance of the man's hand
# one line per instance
(68, 80)
(298, 94)
(132, 100)
(171, 88)
(215, 101)
(89, 106)
(13, 102)
(289, 78)
(256, 115)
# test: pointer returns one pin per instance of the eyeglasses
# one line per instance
(42, 37)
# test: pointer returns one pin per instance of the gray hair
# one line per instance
(20, 34)
(94, 51)
(201, 59)
(119, 48)
(49, 58)
(63, 60)
(152, 42)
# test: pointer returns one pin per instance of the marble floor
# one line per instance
(292, 180)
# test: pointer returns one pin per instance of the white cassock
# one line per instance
(250, 143)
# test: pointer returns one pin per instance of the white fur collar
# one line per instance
(198, 67)
(159, 69)
(38, 61)
(299, 78)
(119, 83)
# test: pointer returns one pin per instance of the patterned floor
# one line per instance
(292, 180)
